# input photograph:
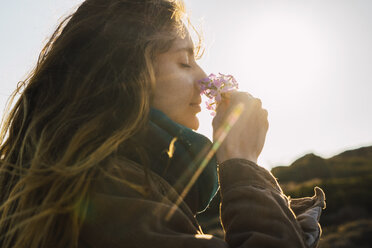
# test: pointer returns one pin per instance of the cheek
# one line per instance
(166, 97)
(173, 90)
(176, 89)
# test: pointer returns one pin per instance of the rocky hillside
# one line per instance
(353, 163)
(347, 182)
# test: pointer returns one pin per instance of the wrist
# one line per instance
(223, 158)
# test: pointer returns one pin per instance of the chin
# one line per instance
(193, 123)
(190, 121)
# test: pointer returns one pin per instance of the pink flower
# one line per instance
(217, 83)
(213, 86)
(218, 97)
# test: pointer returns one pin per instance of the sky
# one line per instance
(310, 62)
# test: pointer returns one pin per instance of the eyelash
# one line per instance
(185, 65)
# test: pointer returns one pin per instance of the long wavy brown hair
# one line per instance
(88, 95)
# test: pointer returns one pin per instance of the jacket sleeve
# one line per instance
(254, 213)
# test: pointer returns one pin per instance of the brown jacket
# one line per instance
(254, 213)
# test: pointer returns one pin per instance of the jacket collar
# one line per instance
(190, 150)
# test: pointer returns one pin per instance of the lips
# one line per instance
(197, 102)
(196, 106)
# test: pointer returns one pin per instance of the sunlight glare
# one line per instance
(281, 52)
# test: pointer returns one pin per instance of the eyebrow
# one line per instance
(189, 50)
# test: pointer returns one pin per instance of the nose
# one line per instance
(200, 74)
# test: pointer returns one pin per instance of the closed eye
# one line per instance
(185, 65)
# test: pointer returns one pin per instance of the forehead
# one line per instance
(182, 44)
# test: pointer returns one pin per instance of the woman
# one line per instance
(99, 149)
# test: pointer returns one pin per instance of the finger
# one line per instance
(222, 105)
(265, 113)
(241, 97)
(258, 102)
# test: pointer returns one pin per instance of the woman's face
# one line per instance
(176, 92)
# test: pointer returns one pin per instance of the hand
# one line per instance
(247, 137)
